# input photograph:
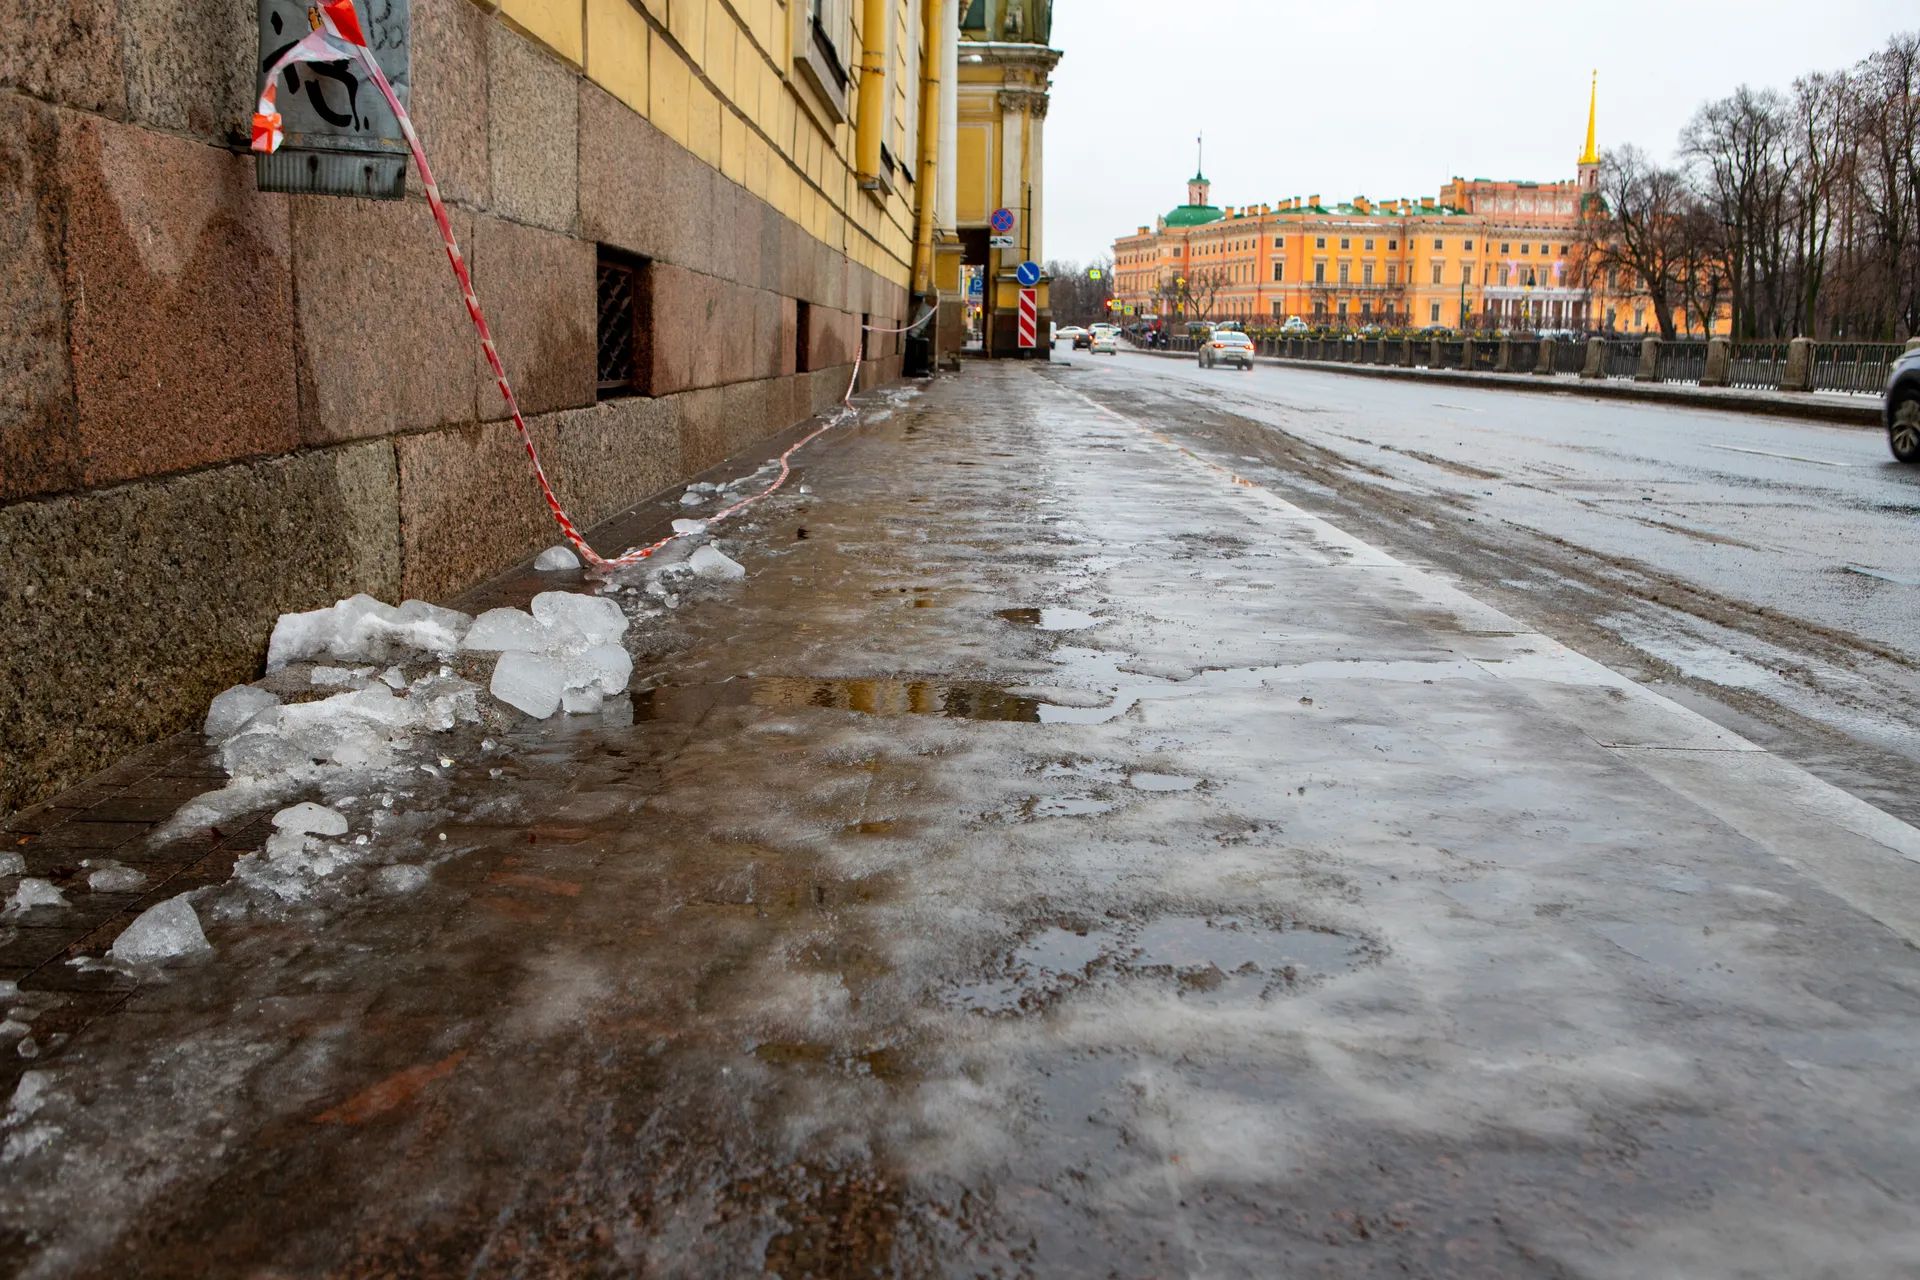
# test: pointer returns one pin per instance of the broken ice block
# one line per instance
(581, 702)
(104, 875)
(12, 864)
(556, 558)
(710, 562)
(689, 526)
(362, 628)
(311, 819)
(605, 667)
(234, 707)
(168, 930)
(503, 629)
(529, 682)
(574, 619)
(34, 892)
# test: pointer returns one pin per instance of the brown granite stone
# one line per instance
(385, 341)
(469, 504)
(831, 338)
(539, 294)
(449, 104)
(532, 132)
(38, 448)
(129, 608)
(639, 190)
(192, 68)
(64, 51)
(178, 276)
(703, 428)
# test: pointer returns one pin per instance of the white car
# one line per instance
(1226, 346)
(1294, 324)
(1105, 340)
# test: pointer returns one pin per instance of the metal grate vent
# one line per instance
(619, 323)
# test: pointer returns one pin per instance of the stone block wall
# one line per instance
(217, 405)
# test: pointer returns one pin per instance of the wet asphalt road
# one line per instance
(1061, 856)
(1765, 571)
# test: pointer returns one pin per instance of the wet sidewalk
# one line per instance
(1058, 857)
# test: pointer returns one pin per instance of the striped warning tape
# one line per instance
(337, 36)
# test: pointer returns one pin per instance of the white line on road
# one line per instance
(1790, 457)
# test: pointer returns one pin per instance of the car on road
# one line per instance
(1227, 346)
(1903, 407)
(1078, 336)
(1107, 340)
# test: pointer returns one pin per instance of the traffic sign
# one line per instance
(1093, 273)
(1027, 273)
(999, 242)
(1029, 319)
(977, 287)
(1002, 221)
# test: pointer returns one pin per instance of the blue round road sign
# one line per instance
(1028, 274)
(1002, 220)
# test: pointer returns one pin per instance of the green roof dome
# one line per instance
(1194, 215)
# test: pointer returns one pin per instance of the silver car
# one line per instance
(1226, 346)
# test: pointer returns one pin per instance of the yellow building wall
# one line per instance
(719, 78)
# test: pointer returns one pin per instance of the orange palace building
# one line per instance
(1482, 254)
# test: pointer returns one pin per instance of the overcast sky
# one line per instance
(1383, 99)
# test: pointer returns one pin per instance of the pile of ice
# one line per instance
(300, 852)
(168, 930)
(31, 894)
(361, 628)
(564, 655)
(556, 557)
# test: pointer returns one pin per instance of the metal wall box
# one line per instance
(341, 137)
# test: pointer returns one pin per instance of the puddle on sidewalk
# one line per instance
(1212, 958)
(955, 699)
(1050, 618)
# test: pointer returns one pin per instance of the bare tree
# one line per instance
(1738, 149)
(1885, 127)
(1202, 289)
(1077, 295)
(1638, 229)
(1821, 167)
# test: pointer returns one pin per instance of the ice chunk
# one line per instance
(582, 620)
(34, 892)
(12, 864)
(557, 558)
(529, 682)
(311, 819)
(363, 628)
(441, 702)
(335, 677)
(400, 878)
(691, 499)
(581, 702)
(689, 526)
(167, 930)
(710, 562)
(394, 678)
(104, 875)
(234, 707)
(605, 667)
(501, 629)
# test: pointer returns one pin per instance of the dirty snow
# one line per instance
(400, 878)
(167, 930)
(311, 819)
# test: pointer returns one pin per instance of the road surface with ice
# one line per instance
(1765, 571)
(1058, 855)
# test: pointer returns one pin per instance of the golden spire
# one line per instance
(1590, 155)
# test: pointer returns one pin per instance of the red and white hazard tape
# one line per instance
(339, 37)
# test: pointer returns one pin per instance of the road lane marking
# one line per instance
(1790, 457)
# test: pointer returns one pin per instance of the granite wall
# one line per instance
(218, 405)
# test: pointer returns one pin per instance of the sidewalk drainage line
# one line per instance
(339, 37)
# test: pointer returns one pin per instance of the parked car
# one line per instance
(1227, 346)
(1233, 326)
(1107, 340)
(1903, 407)
(1294, 324)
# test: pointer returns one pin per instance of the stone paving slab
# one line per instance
(1058, 857)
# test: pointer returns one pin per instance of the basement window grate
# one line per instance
(620, 333)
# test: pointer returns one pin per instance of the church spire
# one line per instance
(1591, 155)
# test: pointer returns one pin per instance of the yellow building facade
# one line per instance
(1479, 254)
